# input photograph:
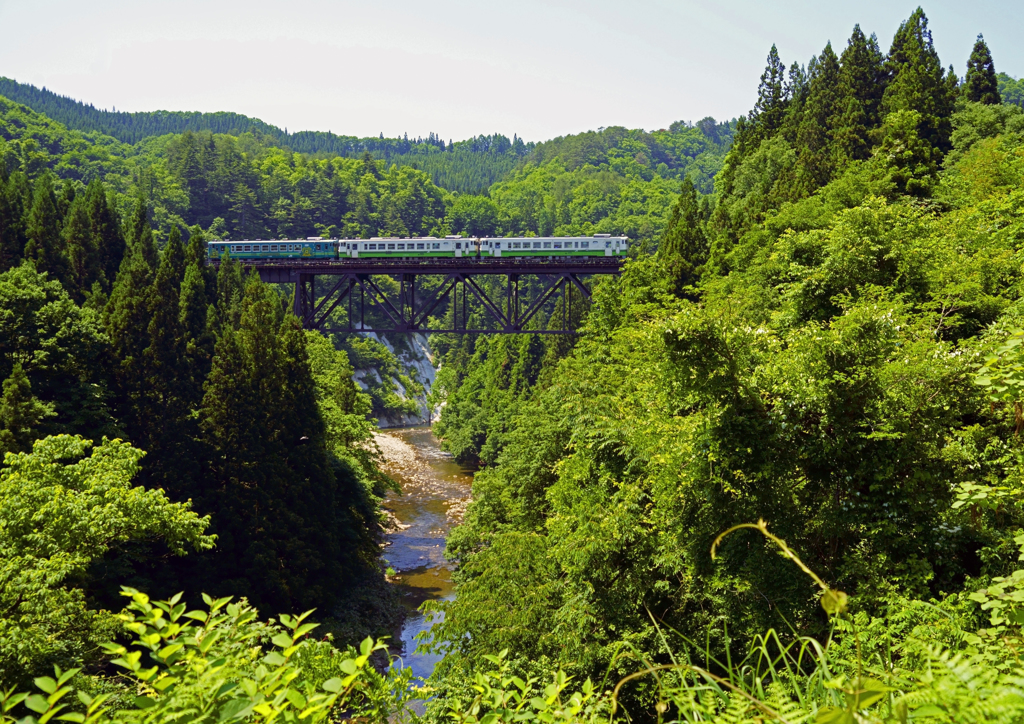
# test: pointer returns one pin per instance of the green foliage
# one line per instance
(45, 247)
(683, 150)
(221, 664)
(115, 337)
(981, 84)
(497, 695)
(861, 86)
(1002, 373)
(473, 216)
(893, 111)
(821, 374)
(918, 82)
(259, 409)
(1010, 89)
(684, 248)
(20, 413)
(62, 507)
(59, 347)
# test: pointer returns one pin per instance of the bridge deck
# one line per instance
(288, 271)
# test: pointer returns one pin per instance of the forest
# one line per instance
(776, 476)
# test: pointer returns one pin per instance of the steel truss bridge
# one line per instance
(351, 284)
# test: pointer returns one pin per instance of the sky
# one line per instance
(458, 68)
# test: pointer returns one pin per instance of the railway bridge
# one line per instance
(350, 282)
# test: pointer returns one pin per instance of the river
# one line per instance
(434, 492)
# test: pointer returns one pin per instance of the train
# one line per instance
(449, 247)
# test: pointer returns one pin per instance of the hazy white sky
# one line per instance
(456, 67)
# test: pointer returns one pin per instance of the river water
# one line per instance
(435, 490)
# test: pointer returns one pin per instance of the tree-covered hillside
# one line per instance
(468, 166)
(615, 181)
(683, 150)
(252, 436)
(832, 346)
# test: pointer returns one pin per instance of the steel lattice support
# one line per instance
(354, 286)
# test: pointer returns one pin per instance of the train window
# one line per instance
(584, 244)
(370, 246)
(247, 248)
(437, 245)
(558, 245)
(419, 246)
(607, 245)
(515, 244)
(401, 246)
(458, 244)
(547, 244)
(391, 247)
(273, 247)
(536, 245)
(497, 245)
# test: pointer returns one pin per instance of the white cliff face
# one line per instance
(416, 363)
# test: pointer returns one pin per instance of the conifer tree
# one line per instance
(820, 115)
(684, 247)
(81, 250)
(165, 337)
(194, 313)
(904, 158)
(917, 82)
(45, 247)
(230, 287)
(195, 253)
(140, 233)
(106, 233)
(14, 198)
(20, 413)
(861, 85)
(126, 318)
(195, 250)
(770, 109)
(274, 497)
(766, 118)
(170, 432)
(65, 194)
(796, 91)
(330, 546)
(369, 165)
(981, 84)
